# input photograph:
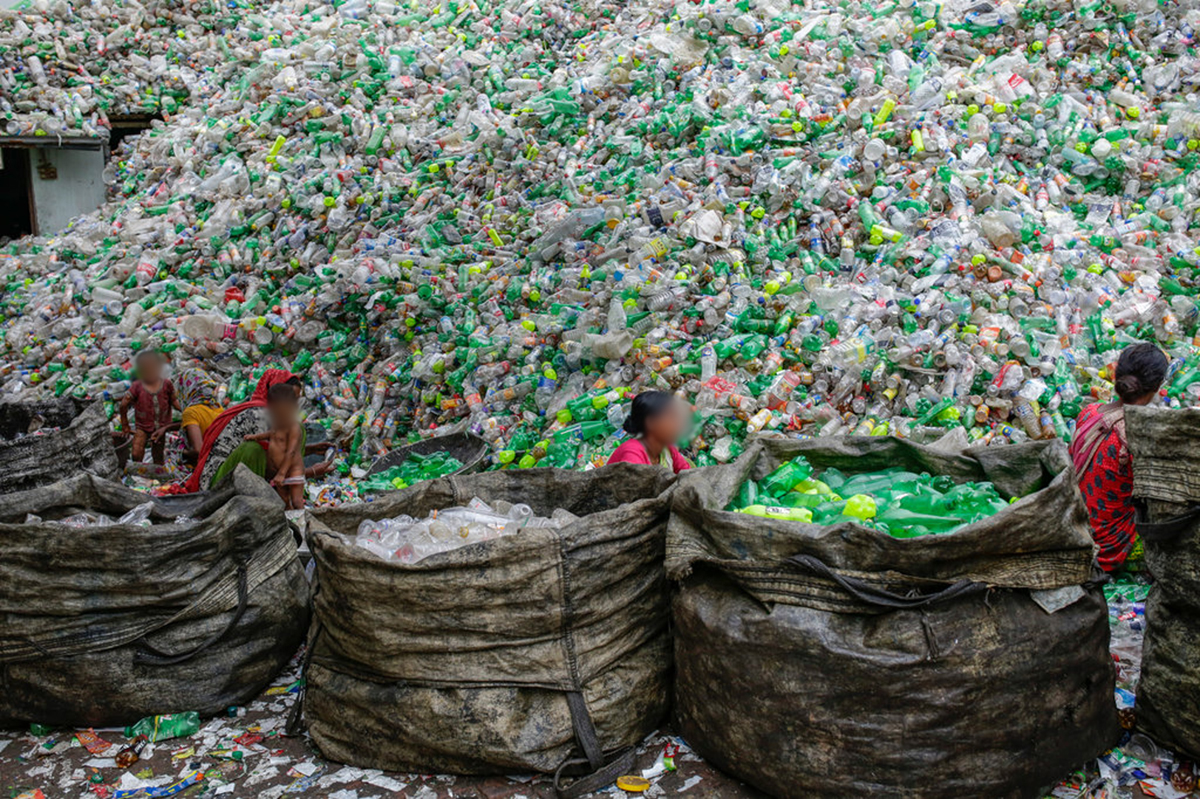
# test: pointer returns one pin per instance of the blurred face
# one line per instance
(283, 414)
(670, 425)
(149, 369)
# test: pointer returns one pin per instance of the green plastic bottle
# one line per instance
(777, 512)
(898, 518)
(786, 477)
(860, 506)
(160, 728)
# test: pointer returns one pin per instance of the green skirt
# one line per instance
(253, 456)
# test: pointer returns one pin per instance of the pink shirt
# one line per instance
(634, 451)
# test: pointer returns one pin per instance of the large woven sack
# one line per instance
(840, 661)
(104, 625)
(1165, 445)
(516, 654)
(81, 443)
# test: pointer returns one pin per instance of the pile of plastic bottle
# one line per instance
(66, 68)
(813, 218)
(138, 515)
(901, 503)
(414, 469)
(409, 540)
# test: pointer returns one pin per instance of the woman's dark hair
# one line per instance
(1140, 370)
(646, 405)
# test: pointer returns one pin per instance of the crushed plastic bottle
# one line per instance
(161, 728)
(138, 515)
(818, 219)
(409, 540)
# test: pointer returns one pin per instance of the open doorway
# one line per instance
(126, 125)
(47, 182)
(16, 195)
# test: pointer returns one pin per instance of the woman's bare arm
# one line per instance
(195, 439)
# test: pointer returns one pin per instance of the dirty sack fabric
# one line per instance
(81, 444)
(1165, 445)
(103, 625)
(516, 654)
(839, 661)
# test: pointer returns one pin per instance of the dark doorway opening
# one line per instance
(16, 196)
(127, 125)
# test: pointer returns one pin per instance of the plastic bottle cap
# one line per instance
(633, 784)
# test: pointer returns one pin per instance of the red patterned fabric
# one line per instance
(151, 411)
(1107, 486)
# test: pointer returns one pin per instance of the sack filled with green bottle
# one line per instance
(903, 503)
(1008, 515)
(798, 595)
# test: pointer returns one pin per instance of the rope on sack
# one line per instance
(878, 597)
(156, 657)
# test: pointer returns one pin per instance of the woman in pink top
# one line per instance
(657, 420)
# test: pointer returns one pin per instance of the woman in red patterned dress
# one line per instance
(1102, 461)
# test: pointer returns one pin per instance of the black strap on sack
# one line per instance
(1167, 530)
(872, 595)
(596, 770)
(293, 728)
(585, 729)
(156, 657)
(619, 765)
(601, 771)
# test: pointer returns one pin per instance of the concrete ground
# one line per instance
(278, 766)
(247, 755)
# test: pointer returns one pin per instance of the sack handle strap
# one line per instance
(601, 773)
(156, 657)
(620, 765)
(292, 728)
(585, 729)
(872, 595)
(1167, 530)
